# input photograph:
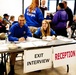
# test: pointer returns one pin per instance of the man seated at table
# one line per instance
(18, 32)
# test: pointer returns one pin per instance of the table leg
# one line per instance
(67, 68)
(54, 69)
(5, 60)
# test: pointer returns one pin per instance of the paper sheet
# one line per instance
(64, 38)
(32, 39)
(40, 43)
(3, 47)
(2, 42)
(26, 44)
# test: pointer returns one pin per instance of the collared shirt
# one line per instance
(17, 32)
(38, 33)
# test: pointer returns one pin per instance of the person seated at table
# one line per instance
(18, 32)
(45, 31)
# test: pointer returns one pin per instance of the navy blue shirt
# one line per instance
(39, 33)
(35, 18)
(17, 32)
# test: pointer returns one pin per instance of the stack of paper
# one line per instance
(64, 38)
(40, 43)
(3, 47)
(26, 44)
(32, 39)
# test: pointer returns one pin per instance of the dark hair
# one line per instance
(61, 5)
(6, 15)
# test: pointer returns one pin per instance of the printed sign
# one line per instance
(64, 55)
(37, 59)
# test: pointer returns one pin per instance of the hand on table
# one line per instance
(43, 38)
(21, 39)
(53, 37)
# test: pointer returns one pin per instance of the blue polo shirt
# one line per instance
(39, 33)
(17, 32)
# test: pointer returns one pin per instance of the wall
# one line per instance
(12, 7)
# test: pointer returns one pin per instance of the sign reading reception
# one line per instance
(64, 55)
(37, 59)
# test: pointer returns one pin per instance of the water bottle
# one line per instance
(6, 38)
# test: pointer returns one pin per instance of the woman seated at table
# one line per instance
(44, 31)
